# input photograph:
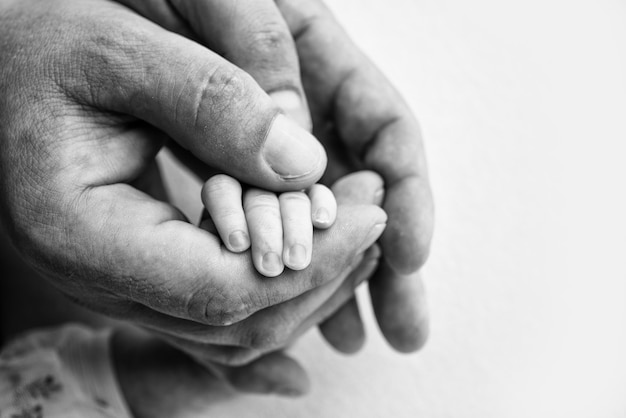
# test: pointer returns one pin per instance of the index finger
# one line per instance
(373, 122)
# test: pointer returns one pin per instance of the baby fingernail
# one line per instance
(322, 216)
(291, 152)
(272, 264)
(296, 257)
(239, 241)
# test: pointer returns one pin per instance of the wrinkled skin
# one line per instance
(91, 91)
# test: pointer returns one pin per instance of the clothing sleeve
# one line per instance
(63, 372)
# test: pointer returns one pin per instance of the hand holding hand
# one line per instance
(84, 84)
(361, 119)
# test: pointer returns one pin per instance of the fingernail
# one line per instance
(373, 236)
(291, 152)
(322, 216)
(272, 264)
(291, 103)
(296, 257)
(239, 240)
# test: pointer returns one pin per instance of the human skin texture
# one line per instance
(91, 91)
(297, 46)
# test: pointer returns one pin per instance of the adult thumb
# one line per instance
(206, 104)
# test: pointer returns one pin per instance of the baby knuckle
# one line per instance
(220, 184)
(297, 197)
(266, 202)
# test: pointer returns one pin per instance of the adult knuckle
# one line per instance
(218, 90)
(227, 81)
(270, 335)
(265, 339)
(216, 305)
(271, 39)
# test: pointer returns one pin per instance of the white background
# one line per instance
(523, 108)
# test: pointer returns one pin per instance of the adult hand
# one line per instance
(247, 353)
(84, 83)
(363, 123)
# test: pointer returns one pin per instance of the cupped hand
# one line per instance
(247, 354)
(363, 122)
(90, 90)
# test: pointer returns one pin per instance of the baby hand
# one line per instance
(277, 227)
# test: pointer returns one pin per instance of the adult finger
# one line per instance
(401, 309)
(208, 353)
(159, 380)
(163, 13)
(164, 369)
(374, 123)
(344, 329)
(342, 295)
(361, 187)
(271, 373)
(205, 103)
(252, 34)
(275, 373)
